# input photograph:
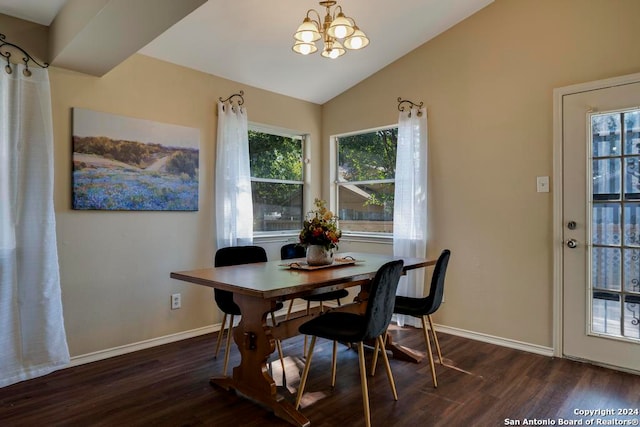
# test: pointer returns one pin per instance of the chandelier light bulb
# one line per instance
(341, 27)
(305, 49)
(356, 43)
(358, 40)
(306, 36)
(340, 31)
(333, 49)
(307, 31)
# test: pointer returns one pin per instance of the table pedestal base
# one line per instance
(401, 352)
(281, 407)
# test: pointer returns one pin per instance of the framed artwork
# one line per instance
(126, 164)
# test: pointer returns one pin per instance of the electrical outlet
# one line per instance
(176, 301)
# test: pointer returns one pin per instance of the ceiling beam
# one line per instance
(94, 36)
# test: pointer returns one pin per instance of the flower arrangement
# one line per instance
(320, 227)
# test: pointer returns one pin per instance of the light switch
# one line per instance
(542, 183)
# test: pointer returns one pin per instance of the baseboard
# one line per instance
(153, 342)
(491, 339)
(141, 345)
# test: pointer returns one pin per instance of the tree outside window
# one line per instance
(276, 181)
(366, 170)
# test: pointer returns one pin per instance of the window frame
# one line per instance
(355, 236)
(267, 236)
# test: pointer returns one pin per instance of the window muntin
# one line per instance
(276, 181)
(365, 179)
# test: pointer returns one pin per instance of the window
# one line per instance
(365, 180)
(276, 181)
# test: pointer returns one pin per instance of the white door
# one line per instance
(601, 225)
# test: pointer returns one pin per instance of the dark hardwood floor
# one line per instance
(168, 386)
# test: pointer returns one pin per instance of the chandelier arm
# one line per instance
(314, 21)
(333, 17)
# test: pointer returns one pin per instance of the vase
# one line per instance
(319, 255)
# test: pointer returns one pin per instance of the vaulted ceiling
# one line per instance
(250, 41)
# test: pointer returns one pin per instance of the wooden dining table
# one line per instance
(258, 287)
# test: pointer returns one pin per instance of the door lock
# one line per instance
(571, 225)
(572, 243)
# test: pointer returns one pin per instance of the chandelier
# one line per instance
(333, 30)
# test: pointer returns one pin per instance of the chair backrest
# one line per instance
(292, 250)
(235, 255)
(382, 297)
(436, 291)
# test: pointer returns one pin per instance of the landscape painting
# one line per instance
(127, 164)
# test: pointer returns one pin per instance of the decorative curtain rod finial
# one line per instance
(402, 107)
(230, 98)
(6, 53)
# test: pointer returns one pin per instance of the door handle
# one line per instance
(572, 243)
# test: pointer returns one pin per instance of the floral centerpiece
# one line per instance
(320, 234)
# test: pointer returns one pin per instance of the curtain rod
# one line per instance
(5, 51)
(239, 95)
(402, 107)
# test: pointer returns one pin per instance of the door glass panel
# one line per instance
(606, 223)
(632, 132)
(632, 316)
(632, 178)
(632, 270)
(606, 179)
(606, 135)
(606, 313)
(631, 222)
(606, 268)
(615, 234)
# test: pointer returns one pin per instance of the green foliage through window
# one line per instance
(366, 176)
(276, 181)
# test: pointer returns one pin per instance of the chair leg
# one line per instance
(374, 362)
(435, 339)
(426, 339)
(334, 364)
(392, 383)
(304, 346)
(220, 334)
(279, 347)
(227, 350)
(305, 372)
(363, 382)
(278, 343)
(289, 310)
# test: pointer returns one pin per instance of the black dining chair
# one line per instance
(294, 250)
(357, 328)
(236, 255)
(423, 308)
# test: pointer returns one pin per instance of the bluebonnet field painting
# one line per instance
(129, 164)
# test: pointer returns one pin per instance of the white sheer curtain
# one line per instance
(410, 205)
(32, 335)
(234, 207)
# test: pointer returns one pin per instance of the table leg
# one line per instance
(251, 377)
